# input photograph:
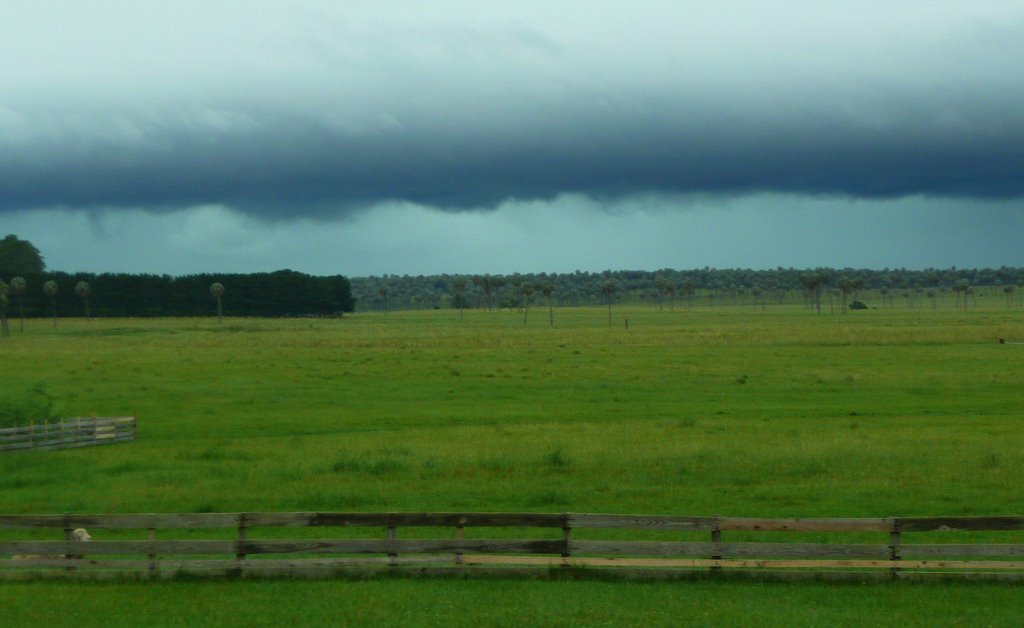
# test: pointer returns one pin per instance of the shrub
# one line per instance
(33, 405)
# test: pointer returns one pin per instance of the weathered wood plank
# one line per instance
(950, 524)
(642, 522)
(805, 525)
(963, 550)
(739, 563)
(502, 519)
(278, 546)
(706, 550)
(125, 521)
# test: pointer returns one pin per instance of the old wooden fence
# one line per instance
(81, 432)
(322, 544)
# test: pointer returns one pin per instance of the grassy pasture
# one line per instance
(722, 410)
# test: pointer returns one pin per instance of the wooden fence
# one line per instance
(252, 544)
(81, 432)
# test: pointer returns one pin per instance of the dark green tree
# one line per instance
(19, 257)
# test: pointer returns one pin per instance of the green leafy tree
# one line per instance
(82, 291)
(19, 257)
(50, 289)
(17, 288)
(217, 292)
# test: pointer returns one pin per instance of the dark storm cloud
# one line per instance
(459, 117)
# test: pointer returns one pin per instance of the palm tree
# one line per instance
(50, 290)
(660, 285)
(546, 289)
(4, 300)
(846, 286)
(460, 295)
(526, 290)
(217, 291)
(608, 288)
(83, 290)
(961, 287)
(17, 288)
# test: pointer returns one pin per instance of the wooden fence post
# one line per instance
(239, 553)
(459, 536)
(68, 537)
(716, 540)
(894, 548)
(152, 553)
(566, 533)
(392, 556)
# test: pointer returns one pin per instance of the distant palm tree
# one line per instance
(660, 285)
(526, 290)
(17, 288)
(608, 288)
(217, 291)
(845, 285)
(83, 290)
(460, 295)
(50, 289)
(961, 287)
(546, 289)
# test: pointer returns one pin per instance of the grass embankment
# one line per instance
(724, 410)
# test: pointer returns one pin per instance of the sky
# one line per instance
(364, 138)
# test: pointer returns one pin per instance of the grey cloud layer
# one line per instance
(321, 111)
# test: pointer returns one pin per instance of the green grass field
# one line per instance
(706, 411)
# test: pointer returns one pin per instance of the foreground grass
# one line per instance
(725, 410)
(391, 602)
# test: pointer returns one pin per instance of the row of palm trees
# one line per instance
(525, 289)
(18, 286)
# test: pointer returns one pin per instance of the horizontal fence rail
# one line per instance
(251, 544)
(79, 432)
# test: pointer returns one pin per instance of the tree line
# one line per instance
(816, 288)
(280, 293)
